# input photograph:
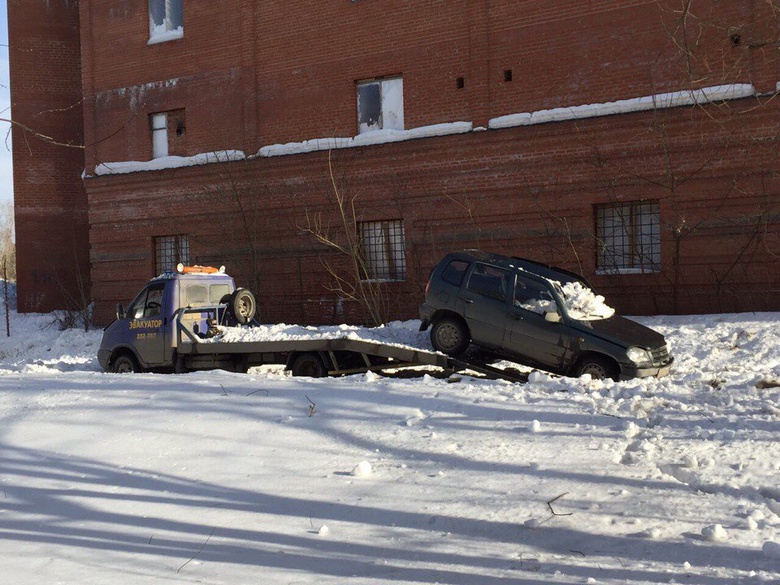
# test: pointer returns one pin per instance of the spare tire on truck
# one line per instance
(242, 305)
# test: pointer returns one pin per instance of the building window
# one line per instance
(169, 133)
(166, 20)
(159, 135)
(384, 249)
(628, 237)
(169, 251)
(380, 105)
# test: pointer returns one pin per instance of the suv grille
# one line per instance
(660, 355)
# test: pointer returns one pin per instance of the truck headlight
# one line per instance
(639, 356)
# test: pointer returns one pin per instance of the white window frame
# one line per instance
(160, 147)
(383, 246)
(388, 113)
(628, 237)
(166, 20)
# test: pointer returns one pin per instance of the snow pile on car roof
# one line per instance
(583, 304)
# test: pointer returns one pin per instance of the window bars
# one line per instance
(384, 250)
(169, 251)
(628, 237)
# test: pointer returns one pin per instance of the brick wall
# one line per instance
(50, 202)
(250, 74)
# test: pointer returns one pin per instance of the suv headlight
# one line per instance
(639, 356)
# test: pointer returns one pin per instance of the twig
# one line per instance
(312, 407)
(224, 392)
(267, 393)
(199, 551)
(551, 502)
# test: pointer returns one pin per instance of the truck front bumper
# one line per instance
(104, 355)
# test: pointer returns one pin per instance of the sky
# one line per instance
(6, 175)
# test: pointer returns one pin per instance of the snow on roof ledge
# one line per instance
(366, 139)
(169, 162)
(659, 101)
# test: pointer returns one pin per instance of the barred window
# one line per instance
(384, 249)
(166, 20)
(169, 251)
(628, 237)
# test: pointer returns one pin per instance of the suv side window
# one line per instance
(455, 271)
(533, 296)
(489, 281)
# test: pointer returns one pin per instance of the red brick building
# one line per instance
(633, 141)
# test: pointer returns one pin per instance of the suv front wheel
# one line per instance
(450, 335)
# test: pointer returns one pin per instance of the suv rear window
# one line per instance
(454, 272)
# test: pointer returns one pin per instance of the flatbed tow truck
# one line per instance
(172, 325)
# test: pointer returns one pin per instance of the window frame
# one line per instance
(171, 13)
(628, 237)
(160, 144)
(161, 246)
(391, 93)
(383, 255)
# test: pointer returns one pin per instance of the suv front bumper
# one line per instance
(627, 372)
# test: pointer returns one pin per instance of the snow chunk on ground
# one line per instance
(771, 550)
(362, 469)
(714, 533)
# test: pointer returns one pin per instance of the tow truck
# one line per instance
(172, 325)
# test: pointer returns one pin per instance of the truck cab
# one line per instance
(143, 336)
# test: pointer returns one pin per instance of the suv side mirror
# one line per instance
(552, 317)
(120, 312)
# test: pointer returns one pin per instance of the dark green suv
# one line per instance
(538, 315)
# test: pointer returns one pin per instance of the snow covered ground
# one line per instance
(225, 478)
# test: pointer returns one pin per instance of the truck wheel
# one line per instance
(599, 368)
(243, 306)
(124, 364)
(308, 364)
(450, 335)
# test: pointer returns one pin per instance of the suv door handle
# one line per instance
(515, 316)
(469, 301)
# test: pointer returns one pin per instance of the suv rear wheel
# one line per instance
(450, 335)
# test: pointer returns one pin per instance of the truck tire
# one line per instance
(124, 364)
(450, 335)
(599, 367)
(308, 364)
(242, 305)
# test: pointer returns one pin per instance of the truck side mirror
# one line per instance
(120, 312)
(552, 317)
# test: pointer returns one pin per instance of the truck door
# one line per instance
(146, 324)
(529, 335)
(486, 308)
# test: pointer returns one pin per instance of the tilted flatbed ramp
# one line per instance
(396, 356)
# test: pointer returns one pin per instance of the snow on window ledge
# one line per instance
(162, 36)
